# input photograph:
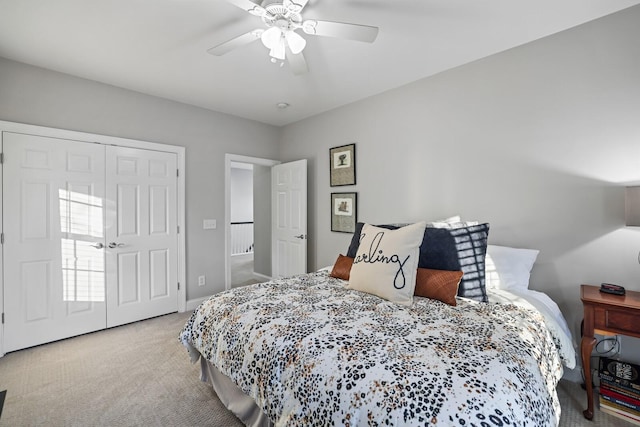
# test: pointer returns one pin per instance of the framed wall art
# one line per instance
(342, 165)
(343, 212)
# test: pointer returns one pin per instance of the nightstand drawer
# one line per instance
(614, 320)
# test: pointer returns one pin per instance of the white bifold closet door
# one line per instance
(53, 225)
(90, 237)
(141, 234)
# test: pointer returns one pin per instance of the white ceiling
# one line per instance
(159, 47)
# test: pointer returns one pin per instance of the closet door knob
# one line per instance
(113, 245)
(98, 245)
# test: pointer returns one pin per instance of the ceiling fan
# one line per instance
(282, 18)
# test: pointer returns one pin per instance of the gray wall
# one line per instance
(539, 141)
(40, 97)
(241, 195)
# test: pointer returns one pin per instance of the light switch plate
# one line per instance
(209, 224)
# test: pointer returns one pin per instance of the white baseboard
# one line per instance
(262, 277)
(192, 304)
(243, 255)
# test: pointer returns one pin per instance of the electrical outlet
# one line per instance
(201, 280)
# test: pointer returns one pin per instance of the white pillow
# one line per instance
(508, 268)
(451, 222)
(386, 262)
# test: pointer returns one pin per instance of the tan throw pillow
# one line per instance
(342, 267)
(386, 262)
(438, 284)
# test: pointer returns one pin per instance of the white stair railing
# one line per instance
(241, 238)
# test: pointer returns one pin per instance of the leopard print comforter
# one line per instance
(312, 353)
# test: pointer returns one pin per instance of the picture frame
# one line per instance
(342, 165)
(344, 208)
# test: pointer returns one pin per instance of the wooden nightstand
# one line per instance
(605, 314)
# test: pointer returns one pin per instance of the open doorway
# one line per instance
(247, 219)
(242, 225)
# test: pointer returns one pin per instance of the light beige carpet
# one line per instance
(139, 375)
(133, 375)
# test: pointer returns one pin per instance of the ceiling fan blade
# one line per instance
(295, 6)
(297, 63)
(249, 6)
(236, 42)
(363, 33)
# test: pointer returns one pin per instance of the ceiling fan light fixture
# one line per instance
(282, 19)
(278, 51)
(271, 37)
(295, 41)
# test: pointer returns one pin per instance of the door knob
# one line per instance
(113, 245)
(98, 245)
(301, 236)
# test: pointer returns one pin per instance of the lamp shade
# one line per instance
(632, 206)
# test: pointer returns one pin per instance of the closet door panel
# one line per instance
(128, 278)
(128, 206)
(160, 274)
(54, 277)
(142, 235)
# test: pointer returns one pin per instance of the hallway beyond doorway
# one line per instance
(242, 270)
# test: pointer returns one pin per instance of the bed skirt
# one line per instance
(243, 406)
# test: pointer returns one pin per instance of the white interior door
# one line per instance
(53, 228)
(289, 218)
(141, 235)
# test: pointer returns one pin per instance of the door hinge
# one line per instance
(177, 172)
(178, 285)
(3, 318)
(1, 238)
(1, 158)
(178, 229)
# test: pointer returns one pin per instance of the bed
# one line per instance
(313, 350)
